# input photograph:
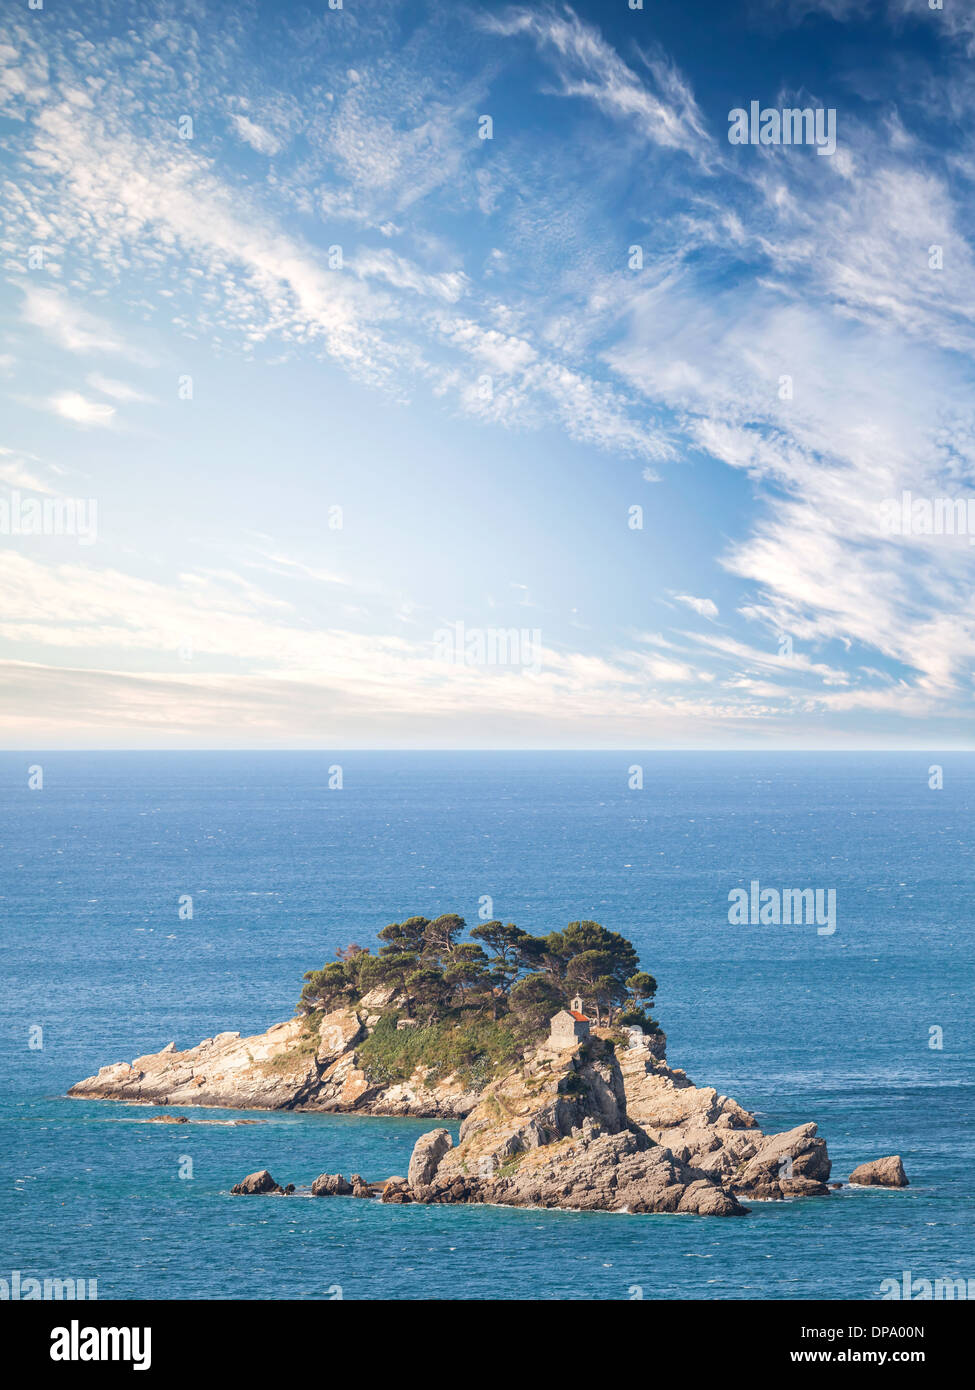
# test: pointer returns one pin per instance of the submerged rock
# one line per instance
(881, 1172)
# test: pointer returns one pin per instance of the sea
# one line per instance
(282, 858)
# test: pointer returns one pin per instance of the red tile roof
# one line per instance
(579, 1018)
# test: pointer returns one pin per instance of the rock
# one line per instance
(331, 1185)
(338, 1033)
(716, 1136)
(396, 1189)
(166, 1120)
(880, 1172)
(609, 1172)
(706, 1130)
(705, 1199)
(458, 1189)
(293, 1066)
(427, 1153)
(792, 1164)
(360, 1188)
(554, 1132)
(261, 1183)
(382, 997)
(586, 1093)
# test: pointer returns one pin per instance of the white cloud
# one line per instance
(16, 473)
(116, 390)
(66, 323)
(260, 671)
(662, 108)
(386, 265)
(73, 406)
(706, 607)
(756, 285)
(255, 135)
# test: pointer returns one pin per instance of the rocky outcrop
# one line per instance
(396, 1190)
(701, 1127)
(793, 1164)
(555, 1132)
(261, 1184)
(719, 1139)
(427, 1153)
(880, 1172)
(331, 1185)
(596, 1129)
(290, 1067)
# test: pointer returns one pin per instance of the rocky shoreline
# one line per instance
(289, 1067)
(596, 1126)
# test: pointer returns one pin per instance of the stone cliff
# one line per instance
(554, 1132)
(596, 1127)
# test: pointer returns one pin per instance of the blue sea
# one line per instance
(794, 1024)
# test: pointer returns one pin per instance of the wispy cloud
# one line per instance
(73, 406)
(116, 390)
(786, 342)
(70, 326)
(658, 104)
(706, 607)
(255, 135)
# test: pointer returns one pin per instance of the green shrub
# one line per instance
(630, 1018)
(473, 1048)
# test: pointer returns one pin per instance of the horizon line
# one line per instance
(903, 748)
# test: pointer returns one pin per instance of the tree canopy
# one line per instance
(501, 971)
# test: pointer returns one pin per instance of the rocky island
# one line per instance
(543, 1045)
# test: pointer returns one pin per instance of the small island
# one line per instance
(545, 1047)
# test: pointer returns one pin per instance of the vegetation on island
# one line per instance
(470, 1006)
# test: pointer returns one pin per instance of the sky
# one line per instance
(441, 375)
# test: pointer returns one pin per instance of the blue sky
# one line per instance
(485, 386)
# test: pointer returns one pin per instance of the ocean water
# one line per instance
(795, 1025)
